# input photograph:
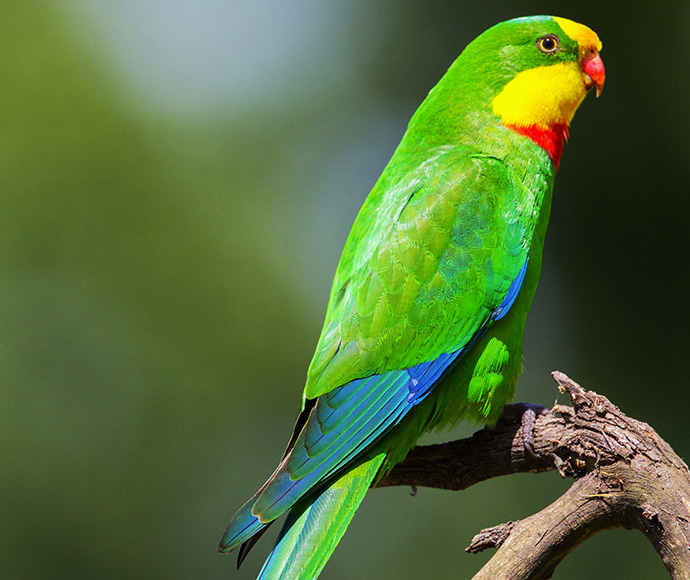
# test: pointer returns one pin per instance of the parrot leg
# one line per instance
(527, 413)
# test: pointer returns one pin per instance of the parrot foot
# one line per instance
(528, 413)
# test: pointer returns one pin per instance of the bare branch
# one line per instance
(625, 476)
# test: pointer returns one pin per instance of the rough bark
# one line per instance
(625, 476)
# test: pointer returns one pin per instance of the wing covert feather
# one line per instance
(429, 259)
(411, 295)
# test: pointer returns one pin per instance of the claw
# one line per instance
(529, 413)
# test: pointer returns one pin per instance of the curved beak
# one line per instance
(593, 67)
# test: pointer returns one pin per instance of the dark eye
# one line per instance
(549, 43)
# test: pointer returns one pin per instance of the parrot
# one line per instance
(425, 320)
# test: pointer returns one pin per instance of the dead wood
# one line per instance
(625, 476)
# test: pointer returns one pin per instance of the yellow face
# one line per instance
(548, 96)
(580, 33)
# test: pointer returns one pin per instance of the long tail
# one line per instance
(314, 528)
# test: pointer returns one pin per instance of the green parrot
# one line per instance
(426, 316)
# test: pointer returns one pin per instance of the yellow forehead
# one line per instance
(580, 33)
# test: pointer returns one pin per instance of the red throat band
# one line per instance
(551, 140)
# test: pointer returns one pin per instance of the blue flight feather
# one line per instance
(343, 424)
(512, 293)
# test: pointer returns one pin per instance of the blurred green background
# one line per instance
(177, 180)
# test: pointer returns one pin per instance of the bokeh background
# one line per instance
(177, 179)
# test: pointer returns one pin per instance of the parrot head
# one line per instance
(529, 74)
(552, 63)
(546, 70)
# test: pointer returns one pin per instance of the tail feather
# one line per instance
(314, 528)
(246, 547)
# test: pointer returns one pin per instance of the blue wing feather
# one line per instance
(512, 293)
(243, 526)
(379, 408)
(342, 425)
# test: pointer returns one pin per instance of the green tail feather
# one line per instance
(312, 532)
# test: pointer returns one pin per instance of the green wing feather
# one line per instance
(445, 263)
(423, 268)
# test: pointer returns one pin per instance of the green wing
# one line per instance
(440, 263)
(431, 256)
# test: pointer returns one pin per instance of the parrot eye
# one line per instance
(549, 43)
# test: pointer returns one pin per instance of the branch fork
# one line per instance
(625, 476)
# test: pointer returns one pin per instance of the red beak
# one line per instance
(593, 67)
